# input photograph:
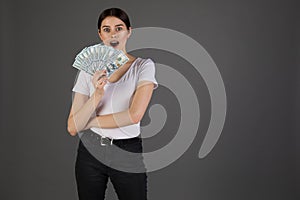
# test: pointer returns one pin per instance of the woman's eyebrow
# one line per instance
(106, 26)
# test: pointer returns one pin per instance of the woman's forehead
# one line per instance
(112, 21)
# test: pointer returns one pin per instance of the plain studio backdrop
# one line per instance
(255, 45)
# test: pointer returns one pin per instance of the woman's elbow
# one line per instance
(71, 131)
(136, 117)
(71, 128)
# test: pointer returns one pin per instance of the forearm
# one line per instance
(132, 115)
(78, 121)
(114, 120)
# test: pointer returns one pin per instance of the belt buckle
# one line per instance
(104, 141)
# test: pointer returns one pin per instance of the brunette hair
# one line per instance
(114, 12)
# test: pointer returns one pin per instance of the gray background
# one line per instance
(255, 45)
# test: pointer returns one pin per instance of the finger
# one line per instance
(101, 72)
(97, 73)
(96, 77)
(97, 84)
(101, 85)
(101, 82)
(102, 76)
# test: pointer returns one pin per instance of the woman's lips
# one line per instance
(114, 43)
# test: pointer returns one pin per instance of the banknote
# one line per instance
(98, 57)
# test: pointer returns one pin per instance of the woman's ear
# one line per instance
(129, 32)
(99, 34)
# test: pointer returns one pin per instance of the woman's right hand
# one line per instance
(99, 81)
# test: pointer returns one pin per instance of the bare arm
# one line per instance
(84, 107)
(130, 116)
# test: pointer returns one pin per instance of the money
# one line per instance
(97, 57)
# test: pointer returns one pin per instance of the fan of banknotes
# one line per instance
(98, 57)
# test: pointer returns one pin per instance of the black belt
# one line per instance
(104, 141)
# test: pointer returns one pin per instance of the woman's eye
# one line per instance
(106, 29)
(119, 28)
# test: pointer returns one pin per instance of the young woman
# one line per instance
(108, 112)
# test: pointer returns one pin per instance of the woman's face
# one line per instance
(113, 32)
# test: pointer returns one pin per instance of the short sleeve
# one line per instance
(81, 84)
(147, 72)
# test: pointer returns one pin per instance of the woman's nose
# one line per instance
(113, 34)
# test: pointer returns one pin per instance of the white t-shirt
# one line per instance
(117, 96)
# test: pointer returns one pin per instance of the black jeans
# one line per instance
(95, 164)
